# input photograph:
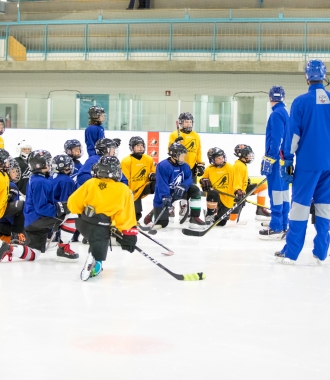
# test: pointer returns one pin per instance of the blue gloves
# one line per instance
(178, 192)
(267, 165)
(167, 202)
(286, 170)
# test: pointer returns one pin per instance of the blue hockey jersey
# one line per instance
(168, 176)
(309, 134)
(39, 199)
(278, 122)
(92, 134)
(63, 186)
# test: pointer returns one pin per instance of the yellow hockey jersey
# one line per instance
(137, 172)
(241, 175)
(192, 142)
(222, 179)
(4, 192)
(108, 197)
(2, 143)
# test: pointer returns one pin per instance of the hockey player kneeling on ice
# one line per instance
(140, 171)
(97, 202)
(11, 211)
(242, 183)
(41, 214)
(278, 190)
(218, 177)
(174, 182)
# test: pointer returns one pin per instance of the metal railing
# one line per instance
(170, 39)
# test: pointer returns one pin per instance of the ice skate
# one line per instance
(64, 254)
(5, 250)
(269, 234)
(281, 259)
(265, 224)
(318, 261)
(262, 214)
(184, 212)
(86, 273)
(195, 223)
(17, 238)
(210, 219)
(171, 214)
(148, 218)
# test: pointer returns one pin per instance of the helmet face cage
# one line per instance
(244, 151)
(186, 116)
(213, 153)
(23, 145)
(4, 156)
(104, 146)
(40, 159)
(277, 94)
(315, 70)
(69, 145)
(136, 140)
(175, 150)
(14, 170)
(62, 163)
(107, 167)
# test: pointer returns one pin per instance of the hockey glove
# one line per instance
(62, 209)
(267, 165)
(178, 192)
(13, 194)
(117, 142)
(199, 170)
(128, 239)
(152, 177)
(286, 170)
(178, 139)
(239, 195)
(206, 184)
(167, 202)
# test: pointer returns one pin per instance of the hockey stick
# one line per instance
(248, 201)
(170, 252)
(188, 232)
(183, 277)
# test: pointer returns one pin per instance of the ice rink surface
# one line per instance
(251, 318)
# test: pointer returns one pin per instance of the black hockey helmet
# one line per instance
(63, 162)
(107, 167)
(39, 159)
(244, 151)
(14, 170)
(2, 126)
(216, 152)
(4, 160)
(175, 150)
(135, 140)
(71, 144)
(186, 116)
(104, 146)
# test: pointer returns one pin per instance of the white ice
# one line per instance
(251, 318)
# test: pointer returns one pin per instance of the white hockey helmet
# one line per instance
(23, 145)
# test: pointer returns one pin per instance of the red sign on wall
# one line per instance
(153, 146)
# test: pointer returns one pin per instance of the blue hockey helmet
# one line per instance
(315, 70)
(276, 94)
(62, 163)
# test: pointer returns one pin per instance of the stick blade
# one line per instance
(194, 276)
(188, 232)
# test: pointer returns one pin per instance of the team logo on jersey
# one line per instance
(322, 99)
(222, 182)
(191, 146)
(140, 175)
(177, 180)
(102, 185)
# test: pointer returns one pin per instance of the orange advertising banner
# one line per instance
(153, 146)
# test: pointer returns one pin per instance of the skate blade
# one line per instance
(270, 237)
(262, 218)
(197, 228)
(284, 261)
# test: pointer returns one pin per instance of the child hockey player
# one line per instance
(95, 130)
(174, 182)
(139, 169)
(42, 214)
(74, 150)
(218, 176)
(2, 131)
(191, 141)
(98, 202)
(242, 186)
(23, 151)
